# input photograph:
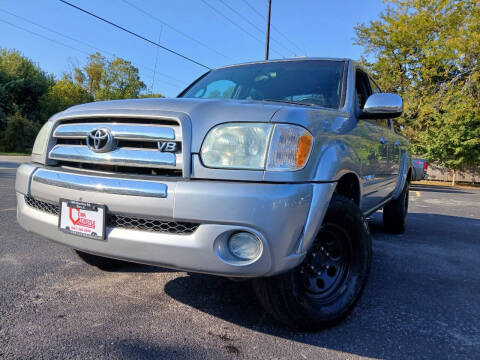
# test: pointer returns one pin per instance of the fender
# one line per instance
(402, 176)
(336, 160)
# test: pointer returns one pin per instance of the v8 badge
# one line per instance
(167, 146)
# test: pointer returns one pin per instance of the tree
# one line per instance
(29, 96)
(64, 94)
(153, 95)
(19, 133)
(428, 51)
(22, 84)
(94, 72)
(109, 79)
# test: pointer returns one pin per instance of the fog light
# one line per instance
(244, 246)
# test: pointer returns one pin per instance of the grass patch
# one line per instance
(447, 183)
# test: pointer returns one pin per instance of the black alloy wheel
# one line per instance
(327, 265)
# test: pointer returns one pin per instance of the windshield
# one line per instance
(316, 82)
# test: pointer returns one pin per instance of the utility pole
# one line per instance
(267, 44)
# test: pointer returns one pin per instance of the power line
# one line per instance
(56, 41)
(177, 30)
(241, 16)
(234, 23)
(274, 27)
(135, 34)
(181, 83)
(254, 25)
(156, 61)
(44, 37)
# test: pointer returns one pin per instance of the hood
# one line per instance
(203, 113)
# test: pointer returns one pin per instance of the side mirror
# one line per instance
(382, 106)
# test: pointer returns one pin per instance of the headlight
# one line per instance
(237, 146)
(257, 146)
(41, 142)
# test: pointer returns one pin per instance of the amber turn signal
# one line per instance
(304, 147)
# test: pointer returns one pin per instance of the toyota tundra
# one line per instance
(264, 170)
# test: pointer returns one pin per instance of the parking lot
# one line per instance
(422, 299)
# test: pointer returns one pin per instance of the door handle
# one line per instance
(383, 141)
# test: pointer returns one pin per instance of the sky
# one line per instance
(212, 32)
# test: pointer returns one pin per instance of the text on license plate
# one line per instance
(83, 219)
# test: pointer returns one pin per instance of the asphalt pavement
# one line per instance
(422, 299)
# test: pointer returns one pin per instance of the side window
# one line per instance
(374, 86)
(365, 86)
(254, 94)
(362, 86)
(376, 90)
(217, 90)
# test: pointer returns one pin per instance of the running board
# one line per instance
(379, 206)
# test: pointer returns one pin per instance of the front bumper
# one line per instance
(284, 217)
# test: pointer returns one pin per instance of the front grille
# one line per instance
(134, 147)
(151, 224)
(125, 222)
(123, 169)
(42, 205)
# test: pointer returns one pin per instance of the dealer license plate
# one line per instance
(82, 219)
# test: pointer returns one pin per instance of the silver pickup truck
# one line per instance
(264, 170)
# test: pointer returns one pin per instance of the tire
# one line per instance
(396, 211)
(324, 288)
(101, 262)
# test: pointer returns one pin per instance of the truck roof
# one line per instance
(302, 58)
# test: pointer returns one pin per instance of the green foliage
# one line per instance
(428, 52)
(109, 79)
(22, 83)
(29, 96)
(154, 95)
(64, 94)
(19, 133)
(93, 73)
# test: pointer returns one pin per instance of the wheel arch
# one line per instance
(349, 186)
(405, 174)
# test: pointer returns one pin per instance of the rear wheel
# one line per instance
(101, 262)
(325, 287)
(395, 212)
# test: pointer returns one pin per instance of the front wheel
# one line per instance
(327, 284)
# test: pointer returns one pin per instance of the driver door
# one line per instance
(373, 149)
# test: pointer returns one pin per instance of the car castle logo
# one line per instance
(80, 219)
(100, 140)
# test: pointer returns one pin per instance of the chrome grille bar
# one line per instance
(120, 157)
(138, 147)
(101, 183)
(120, 131)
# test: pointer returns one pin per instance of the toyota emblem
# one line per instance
(100, 140)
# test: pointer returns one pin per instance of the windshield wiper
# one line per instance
(292, 102)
